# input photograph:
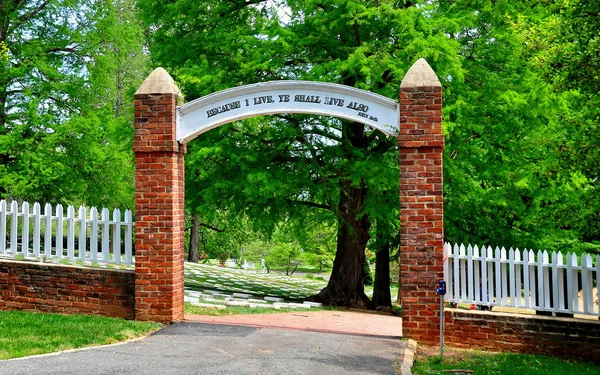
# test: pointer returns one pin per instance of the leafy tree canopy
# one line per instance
(65, 68)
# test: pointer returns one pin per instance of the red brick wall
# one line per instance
(66, 289)
(159, 209)
(421, 145)
(563, 337)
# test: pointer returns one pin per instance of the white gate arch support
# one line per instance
(269, 98)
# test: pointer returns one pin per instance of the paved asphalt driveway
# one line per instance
(200, 348)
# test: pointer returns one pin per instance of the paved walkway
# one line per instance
(316, 321)
(206, 349)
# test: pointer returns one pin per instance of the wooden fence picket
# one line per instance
(48, 230)
(470, 282)
(490, 273)
(70, 232)
(587, 283)
(575, 291)
(2, 227)
(526, 285)
(554, 281)
(517, 282)
(128, 237)
(512, 290)
(105, 221)
(477, 274)
(25, 228)
(560, 283)
(37, 220)
(14, 226)
(463, 272)
(117, 236)
(456, 270)
(59, 231)
(82, 237)
(532, 278)
(94, 234)
(485, 295)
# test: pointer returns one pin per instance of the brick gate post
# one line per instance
(159, 200)
(421, 144)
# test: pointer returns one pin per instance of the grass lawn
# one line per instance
(481, 363)
(25, 333)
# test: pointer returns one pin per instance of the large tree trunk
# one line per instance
(345, 287)
(381, 290)
(193, 254)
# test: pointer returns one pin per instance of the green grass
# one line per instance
(235, 310)
(25, 333)
(499, 364)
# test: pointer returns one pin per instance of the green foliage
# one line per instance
(318, 242)
(68, 70)
(504, 179)
(3, 53)
(281, 252)
(564, 46)
(222, 235)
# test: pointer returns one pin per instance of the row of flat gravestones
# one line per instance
(244, 288)
(218, 300)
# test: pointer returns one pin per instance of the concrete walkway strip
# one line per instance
(408, 358)
(345, 322)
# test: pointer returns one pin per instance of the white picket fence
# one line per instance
(522, 279)
(31, 233)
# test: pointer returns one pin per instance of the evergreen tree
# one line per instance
(65, 129)
(563, 44)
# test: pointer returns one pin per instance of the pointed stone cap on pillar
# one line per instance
(420, 75)
(159, 82)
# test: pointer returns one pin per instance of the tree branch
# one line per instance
(310, 204)
(208, 226)
(383, 147)
(30, 15)
(239, 6)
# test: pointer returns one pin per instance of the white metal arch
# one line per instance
(319, 98)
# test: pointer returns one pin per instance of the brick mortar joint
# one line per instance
(179, 149)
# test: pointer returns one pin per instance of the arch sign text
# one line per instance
(319, 98)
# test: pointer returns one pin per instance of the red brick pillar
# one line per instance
(159, 211)
(421, 145)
